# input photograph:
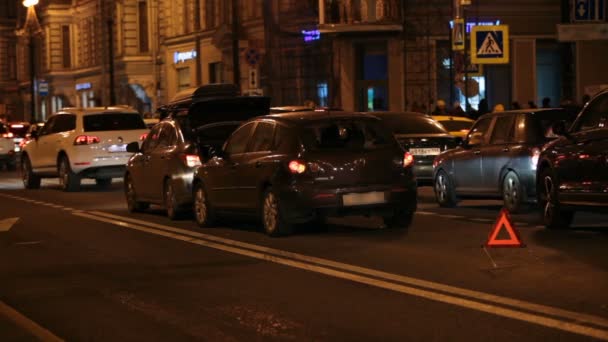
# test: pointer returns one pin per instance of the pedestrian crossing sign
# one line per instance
(490, 44)
(458, 35)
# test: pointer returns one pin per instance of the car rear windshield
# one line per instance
(18, 130)
(456, 125)
(345, 133)
(113, 122)
(411, 124)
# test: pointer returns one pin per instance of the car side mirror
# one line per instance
(133, 147)
(559, 128)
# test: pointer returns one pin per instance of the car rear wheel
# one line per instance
(203, 213)
(103, 183)
(554, 217)
(174, 210)
(444, 190)
(30, 180)
(68, 180)
(512, 193)
(132, 203)
(272, 216)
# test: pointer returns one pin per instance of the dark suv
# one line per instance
(573, 170)
(301, 167)
(196, 122)
(498, 158)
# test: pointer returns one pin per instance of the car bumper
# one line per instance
(301, 203)
(116, 171)
(182, 186)
(80, 165)
(423, 170)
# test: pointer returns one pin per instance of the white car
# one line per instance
(7, 148)
(81, 143)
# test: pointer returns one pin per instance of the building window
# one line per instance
(65, 46)
(210, 15)
(215, 73)
(142, 14)
(183, 79)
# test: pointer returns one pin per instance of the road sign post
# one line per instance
(490, 44)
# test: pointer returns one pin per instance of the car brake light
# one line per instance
(535, 155)
(296, 166)
(191, 160)
(86, 140)
(7, 135)
(143, 137)
(408, 159)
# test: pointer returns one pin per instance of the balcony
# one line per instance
(350, 16)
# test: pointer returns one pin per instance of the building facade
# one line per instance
(355, 54)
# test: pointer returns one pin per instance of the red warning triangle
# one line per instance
(504, 220)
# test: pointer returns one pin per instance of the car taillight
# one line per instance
(408, 159)
(535, 154)
(23, 142)
(297, 167)
(143, 137)
(191, 160)
(86, 140)
(7, 135)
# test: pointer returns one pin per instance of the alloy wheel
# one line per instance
(510, 192)
(441, 188)
(63, 174)
(200, 206)
(131, 200)
(271, 213)
(549, 206)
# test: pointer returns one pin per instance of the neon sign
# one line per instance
(83, 86)
(179, 57)
(311, 35)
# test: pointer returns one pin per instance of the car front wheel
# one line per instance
(554, 217)
(444, 190)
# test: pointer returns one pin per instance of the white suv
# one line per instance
(7, 148)
(81, 143)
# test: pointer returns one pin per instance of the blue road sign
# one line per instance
(43, 88)
(490, 44)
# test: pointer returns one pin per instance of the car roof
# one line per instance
(451, 117)
(297, 117)
(97, 110)
(521, 111)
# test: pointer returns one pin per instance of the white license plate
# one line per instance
(431, 151)
(363, 198)
(117, 148)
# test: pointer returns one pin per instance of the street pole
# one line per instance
(235, 45)
(110, 24)
(32, 79)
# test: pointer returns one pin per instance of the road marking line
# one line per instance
(425, 212)
(480, 220)
(27, 324)
(451, 216)
(307, 262)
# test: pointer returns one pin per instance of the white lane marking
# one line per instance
(451, 216)
(480, 220)
(25, 243)
(312, 263)
(425, 212)
(7, 224)
(27, 324)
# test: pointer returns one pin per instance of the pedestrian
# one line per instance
(457, 109)
(515, 105)
(440, 108)
(546, 102)
(498, 108)
(532, 105)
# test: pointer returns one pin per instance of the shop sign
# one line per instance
(179, 57)
(471, 24)
(83, 86)
(311, 35)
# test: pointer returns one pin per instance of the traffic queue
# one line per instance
(215, 153)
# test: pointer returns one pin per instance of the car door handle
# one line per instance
(506, 149)
(477, 152)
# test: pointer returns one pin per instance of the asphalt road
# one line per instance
(78, 266)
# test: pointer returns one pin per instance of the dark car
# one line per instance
(573, 169)
(301, 167)
(422, 136)
(497, 159)
(195, 123)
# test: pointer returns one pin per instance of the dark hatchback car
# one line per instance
(302, 167)
(497, 159)
(573, 169)
(196, 122)
(422, 136)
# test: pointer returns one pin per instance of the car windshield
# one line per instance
(345, 133)
(456, 125)
(547, 118)
(113, 122)
(18, 130)
(411, 124)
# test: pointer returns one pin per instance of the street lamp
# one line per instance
(31, 29)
